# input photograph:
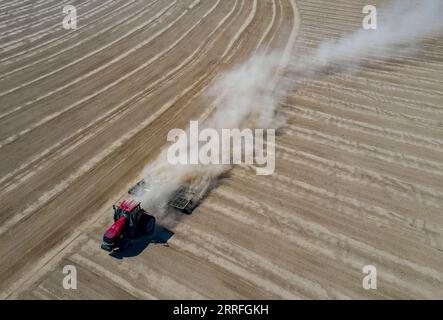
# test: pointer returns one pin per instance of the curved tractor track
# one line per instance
(359, 164)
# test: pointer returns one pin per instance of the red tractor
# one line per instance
(129, 219)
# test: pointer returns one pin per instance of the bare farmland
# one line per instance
(359, 176)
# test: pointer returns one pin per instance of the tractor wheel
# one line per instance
(149, 225)
(124, 243)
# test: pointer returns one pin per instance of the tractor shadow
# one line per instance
(138, 245)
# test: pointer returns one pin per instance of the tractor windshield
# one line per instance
(118, 212)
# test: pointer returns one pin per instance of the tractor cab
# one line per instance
(129, 219)
(128, 208)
